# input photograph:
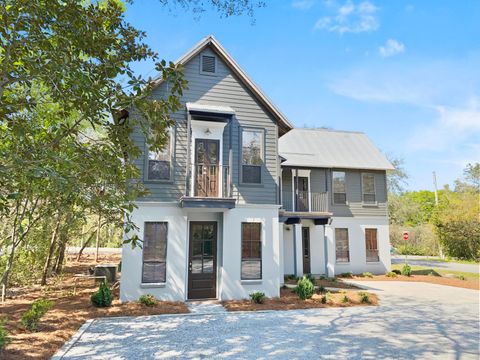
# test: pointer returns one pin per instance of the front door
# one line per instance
(301, 203)
(202, 264)
(306, 250)
(206, 167)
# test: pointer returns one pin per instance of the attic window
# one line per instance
(208, 64)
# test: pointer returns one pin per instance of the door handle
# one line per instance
(190, 266)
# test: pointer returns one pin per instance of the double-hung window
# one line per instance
(339, 187)
(371, 245)
(368, 188)
(342, 250)
(252, 155)
(251, 251)
(160, 161)
(154, 252)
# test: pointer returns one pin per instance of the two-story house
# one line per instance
(227, 211)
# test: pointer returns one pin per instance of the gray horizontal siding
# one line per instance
(222, 89)
(321, 181)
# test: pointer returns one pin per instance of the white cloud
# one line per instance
(452, 128)
(302, 4)
(351, 18)
(391, 48)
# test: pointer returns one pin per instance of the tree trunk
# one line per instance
(53, 241)
(8, 268)
(97, 245)
(85, 244)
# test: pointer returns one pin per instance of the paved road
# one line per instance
(415, 321)
(422, 261)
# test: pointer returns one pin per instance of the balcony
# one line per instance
(209, 186)
(305, 201)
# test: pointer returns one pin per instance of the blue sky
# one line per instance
(407, 73)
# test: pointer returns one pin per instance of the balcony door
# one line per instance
(301, 198)
(206, 167)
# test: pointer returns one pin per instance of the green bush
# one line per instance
(345, 299)
(396, 271)
(407, 270)
(367, 274)
(461, 277)
(364, 298)
(324, 299)
(257, 297)
(148, 300)
(32, 316)
(103, 297)
(305, 288)
(4, 339)
(346, 275)
(391, 274)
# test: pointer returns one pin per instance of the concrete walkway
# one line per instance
(414, 321)
(444, 265)
(205, 307)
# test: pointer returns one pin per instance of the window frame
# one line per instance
(374, 189)
(262, 155)
(333, 188)
(143, 282)
(146, 179)
(201, 65)
(367, 249)
(242, 259)
(348, 247)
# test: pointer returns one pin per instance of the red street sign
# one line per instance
(405, 235)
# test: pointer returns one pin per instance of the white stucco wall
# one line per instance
(232, 287)
(356, 234)
(174, 287)
(288, 250)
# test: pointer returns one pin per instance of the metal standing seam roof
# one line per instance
(324, 148)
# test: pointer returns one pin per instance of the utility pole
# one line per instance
(435, 188)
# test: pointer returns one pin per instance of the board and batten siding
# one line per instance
(222, 88)
(321, 181)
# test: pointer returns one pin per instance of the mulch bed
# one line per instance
(68, 314)
(338, 283)
(288, 300)
(466, 284)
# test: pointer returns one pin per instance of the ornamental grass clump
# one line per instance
(148, 300)
(31, 317)
(304, 289)
(103, 297)
(257, 297)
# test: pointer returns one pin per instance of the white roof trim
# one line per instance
(217, 109)
(210, 40)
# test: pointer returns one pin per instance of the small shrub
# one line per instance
(324, 299)
(345, 299)
(102, 297)
(305, 288)
(346, 275)
(364, 298)
(396, 271)
(257, 297)
(461, 277)
(32, 316)
(332, 279)
(147, 300)
(322, 277)
(391, 274)
(4, 339)
(321, 289)
(407, 270)
(367, 274)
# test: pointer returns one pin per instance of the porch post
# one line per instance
(298, 249)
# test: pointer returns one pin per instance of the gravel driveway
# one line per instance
(414, 321)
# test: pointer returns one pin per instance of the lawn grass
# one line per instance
(425, 270)
(437, 259)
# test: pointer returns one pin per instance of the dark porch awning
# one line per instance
(319, 218)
